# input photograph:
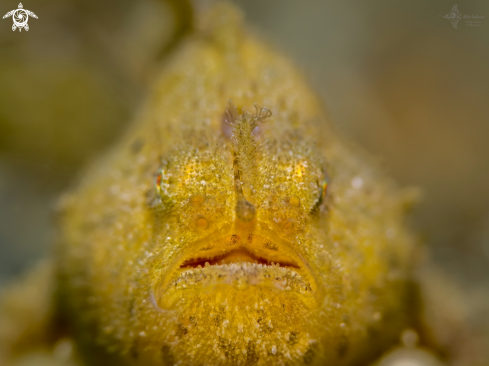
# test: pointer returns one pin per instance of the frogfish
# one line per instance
(231, 225)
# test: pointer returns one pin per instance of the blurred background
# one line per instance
(397, 78)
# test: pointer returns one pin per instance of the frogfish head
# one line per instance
(223, 235)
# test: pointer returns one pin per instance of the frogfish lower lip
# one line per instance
(239, 261)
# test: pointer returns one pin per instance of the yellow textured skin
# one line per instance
(195, 180)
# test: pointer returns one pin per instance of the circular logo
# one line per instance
(20, 18)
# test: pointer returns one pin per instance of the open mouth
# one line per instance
(241, 262)
(258, 250)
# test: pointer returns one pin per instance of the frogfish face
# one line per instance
(244, 213)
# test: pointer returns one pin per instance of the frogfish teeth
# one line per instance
(231, 226)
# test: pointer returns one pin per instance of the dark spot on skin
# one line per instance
(219, 317)
(181, 331)
(309, 355)
(342, 347)
(167, 356)
(136, 146)
(251, 354)
(234, 239)
(226, 347)
(293, 338)
(270, 245)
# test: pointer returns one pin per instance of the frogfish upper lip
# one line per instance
(231, 249)
(240, 260)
